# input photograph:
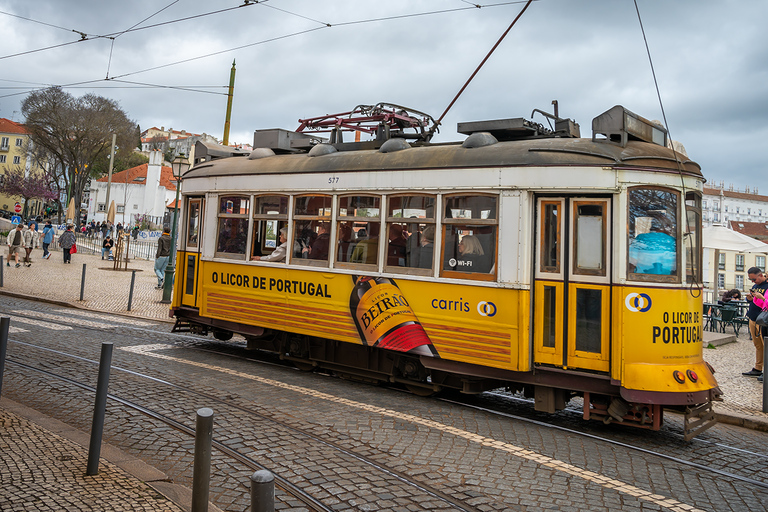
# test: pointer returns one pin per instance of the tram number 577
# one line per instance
(333, 180)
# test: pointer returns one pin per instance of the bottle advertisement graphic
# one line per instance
(384, 318)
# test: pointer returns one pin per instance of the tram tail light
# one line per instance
(692, 375)
(679, 376)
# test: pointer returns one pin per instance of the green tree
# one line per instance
(75, 132)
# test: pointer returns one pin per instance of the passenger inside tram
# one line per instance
(653, 250)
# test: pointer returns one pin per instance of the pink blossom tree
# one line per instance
(32, 186)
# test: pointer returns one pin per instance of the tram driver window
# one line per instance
(232, 231)
(470, 237)
(653, 233)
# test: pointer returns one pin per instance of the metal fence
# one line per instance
(138, 249)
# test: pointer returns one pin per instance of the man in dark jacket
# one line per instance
(161, 257)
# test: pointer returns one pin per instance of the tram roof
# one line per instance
(561, 152)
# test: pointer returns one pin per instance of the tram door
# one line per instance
(572, 283)
(188, 266)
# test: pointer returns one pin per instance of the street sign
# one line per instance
(16, 219)
(17, 208)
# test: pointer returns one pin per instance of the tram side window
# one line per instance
(193, 222)
(358, 230)
(470, 236)
(311, 230)
(270, 216)
(653, 233)
(233, 227)
(692, 237)
(410, 233)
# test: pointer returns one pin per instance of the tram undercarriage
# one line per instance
(550, 388)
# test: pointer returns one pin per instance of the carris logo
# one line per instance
(638, 302)
(486, 308)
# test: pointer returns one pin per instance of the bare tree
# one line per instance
(74, 132)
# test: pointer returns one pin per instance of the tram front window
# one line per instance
(653, 233)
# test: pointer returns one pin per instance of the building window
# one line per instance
(19, 142)
(721, 281)
(135, 206)
(739, 284)
(100, 207)
(705, 204)
(721, 262)
(4, 143)
(760, 262)
(739, 262)
(16, 160)
(120, 208)
(2, 159)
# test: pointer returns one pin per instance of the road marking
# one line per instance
(65, 319)
(15, 330)
(107, 318)
(39, 323)
(544, 460)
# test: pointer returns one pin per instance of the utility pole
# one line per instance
(109, 179)
(229, 103)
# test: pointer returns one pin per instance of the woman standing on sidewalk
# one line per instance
(66, 241)
(30, 240)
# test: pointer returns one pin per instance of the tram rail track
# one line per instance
(243, 459)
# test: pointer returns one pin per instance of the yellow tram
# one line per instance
(523, 257)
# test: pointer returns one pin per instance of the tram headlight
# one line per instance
(692, 375)
(679, 376)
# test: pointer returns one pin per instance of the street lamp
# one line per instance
(180, 165)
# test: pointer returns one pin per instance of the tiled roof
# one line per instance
(735, 195)
(8, 126)
(138, 176)
(757, 230)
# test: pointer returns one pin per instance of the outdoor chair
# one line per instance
(728, 317)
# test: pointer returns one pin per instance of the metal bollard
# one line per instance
(99, 409)
(201, 473)
(130, 293)
(82, 283)
(5, 322)
(2, 271)
(262, 491)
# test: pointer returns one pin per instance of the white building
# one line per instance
(721, 206)
(143, 190)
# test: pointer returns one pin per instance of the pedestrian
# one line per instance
(106, 247)
(30, 240)
(135, 233)
(761, 285)
(15, 241)
(66, 241)
(47, 239)
(104, 229)
(162, 255)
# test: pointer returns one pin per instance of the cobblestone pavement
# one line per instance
(271, 412)
(41, 470)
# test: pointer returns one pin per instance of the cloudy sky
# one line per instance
(168, 63)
